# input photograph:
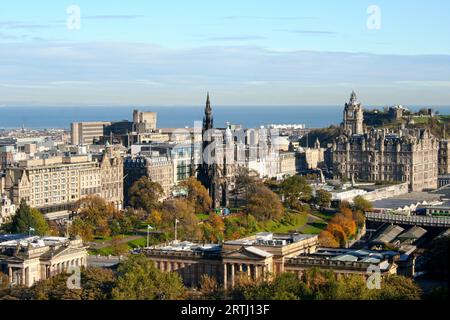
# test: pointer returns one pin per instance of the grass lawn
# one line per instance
(275, 226)
(314, 228)
(202, 216)
(327, 216)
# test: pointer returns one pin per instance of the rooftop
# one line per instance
(11, 241)
(271, 239)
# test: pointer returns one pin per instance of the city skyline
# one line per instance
(158, 54)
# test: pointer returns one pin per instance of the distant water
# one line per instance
(175, 117)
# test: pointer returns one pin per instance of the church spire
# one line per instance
(208, 122)
(353, 98)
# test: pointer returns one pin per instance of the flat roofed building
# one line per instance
(85, 133)
(344, 261)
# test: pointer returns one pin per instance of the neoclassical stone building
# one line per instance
(255, 256)
(27, 260)
(264, 255)
(403, 155)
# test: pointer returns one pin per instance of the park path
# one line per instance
(311, 219)
(109, 243)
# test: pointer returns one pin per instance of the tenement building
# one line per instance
(56, 184)
(158, 168)
(403, 155)
(26, 260)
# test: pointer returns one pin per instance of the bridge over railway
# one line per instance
(424, 221)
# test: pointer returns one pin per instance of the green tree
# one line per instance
(138, 279)
(295, 189)
(263, 204)
(55, 288)
(394, 287)
(97, 283)
(361, 204)
(323, 198)
(145, 194)
(27, 219)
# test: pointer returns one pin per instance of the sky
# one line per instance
(246, 52)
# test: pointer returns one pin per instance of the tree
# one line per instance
(95, 214)
(394, 287)
(246, 182)
(97, 283)
(138, 279)
(327, 240)
(295, 189)
(181, 210)
(437, 257)
(347, 224)
(338, 233)
(361, 204)
(323, 198)
(27, 219)
(263, 204)
(197, 195)
(81, 228)
(118, 247)
(145, 194)
(214, 228)
(55, 288)
(210, 289)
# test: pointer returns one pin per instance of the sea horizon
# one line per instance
(43, 117)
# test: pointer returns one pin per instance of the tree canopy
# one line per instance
(145, 194)
(197, 195)
(27, 219)
(295, 189)
(263, 204)
(138, 279)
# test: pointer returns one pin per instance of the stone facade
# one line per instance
(444, 157)
(404, 155)
(257, 257)
(7, 209)
(27, 260)
(159, 169)
(56, 184)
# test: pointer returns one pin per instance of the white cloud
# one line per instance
(138, 73)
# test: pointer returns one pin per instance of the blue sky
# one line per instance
(287, 52)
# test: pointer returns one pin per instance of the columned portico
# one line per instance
(248, 261)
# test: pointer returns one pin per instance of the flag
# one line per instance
(150, 228)
(177, 221)
(32, 229)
